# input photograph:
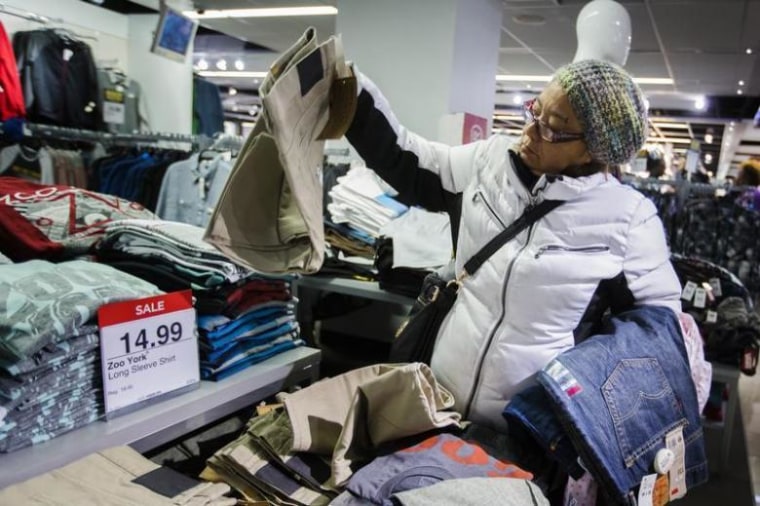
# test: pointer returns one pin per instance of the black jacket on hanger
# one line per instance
(58, 79)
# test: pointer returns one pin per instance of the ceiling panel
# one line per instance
(704, 67)
(710, 26)
(514, 62)
(643, 37)
(649, 64)
(558, 29)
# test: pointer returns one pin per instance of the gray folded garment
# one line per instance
(173, 243)
(474, 492)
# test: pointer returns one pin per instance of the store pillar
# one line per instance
(435, 60)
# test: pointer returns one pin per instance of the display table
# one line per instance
(365, 289)
(167, 420)
(308, 289)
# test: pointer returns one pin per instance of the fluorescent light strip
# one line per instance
(546, 79)
(238, 73)
(672, 126)
(275, 12)
(232, 73)
(669, 139)
(509, 117)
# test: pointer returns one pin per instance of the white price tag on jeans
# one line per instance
(677, 475)
(688, 290)
(148, 348)
(646, 490)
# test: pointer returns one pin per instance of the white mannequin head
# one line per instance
(603, 29)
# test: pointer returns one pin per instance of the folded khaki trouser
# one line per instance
(269, 215)
(107, 478)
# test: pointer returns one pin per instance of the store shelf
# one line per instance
(365, 289)
(160, 423)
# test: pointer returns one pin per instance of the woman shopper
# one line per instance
(603, 248)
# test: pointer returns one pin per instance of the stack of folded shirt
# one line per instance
(243, 317)
(56, 222)
(169, 253)
(50, 374)
(234, 341)
(361, 201)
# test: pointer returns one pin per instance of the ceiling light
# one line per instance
(202, 64)
(239, 65)
(528, 86)
(700, 103)
(669, 139)
(221, 64)
(532, 78)
(653, 80)
(708, 138)
(708, 158)
(517, 100)
(508, 117)
(749, 50)
(741, 83)
(232, 92)
(545, 79)
(252, 111)
(739, 92)
(232, 73)
(274, 12)
(673, 126)
(235, 108)
(256, 81)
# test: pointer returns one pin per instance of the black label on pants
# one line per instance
(310, 71)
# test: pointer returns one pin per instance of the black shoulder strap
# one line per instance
(528, 218)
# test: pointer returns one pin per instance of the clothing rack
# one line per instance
(162, 140)
(45, 20)
(225, 142)
(28, 15)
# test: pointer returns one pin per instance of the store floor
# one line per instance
(738, 485)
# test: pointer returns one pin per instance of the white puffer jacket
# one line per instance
(521, 308)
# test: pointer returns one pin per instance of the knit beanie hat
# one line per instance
(610, 107)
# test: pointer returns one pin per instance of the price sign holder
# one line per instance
(148, 351)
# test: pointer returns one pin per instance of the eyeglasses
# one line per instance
(546, 132)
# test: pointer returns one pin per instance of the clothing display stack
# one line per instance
(190, 188)
(50, 372)
(244, 317)
(245, 323)
(373, 432)
(56, 222)
(117, 476)
(411, 247)
(59, 79)
(361, 201)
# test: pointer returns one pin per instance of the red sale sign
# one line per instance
(148, 348)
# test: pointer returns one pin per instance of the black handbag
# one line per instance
(416, 337)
